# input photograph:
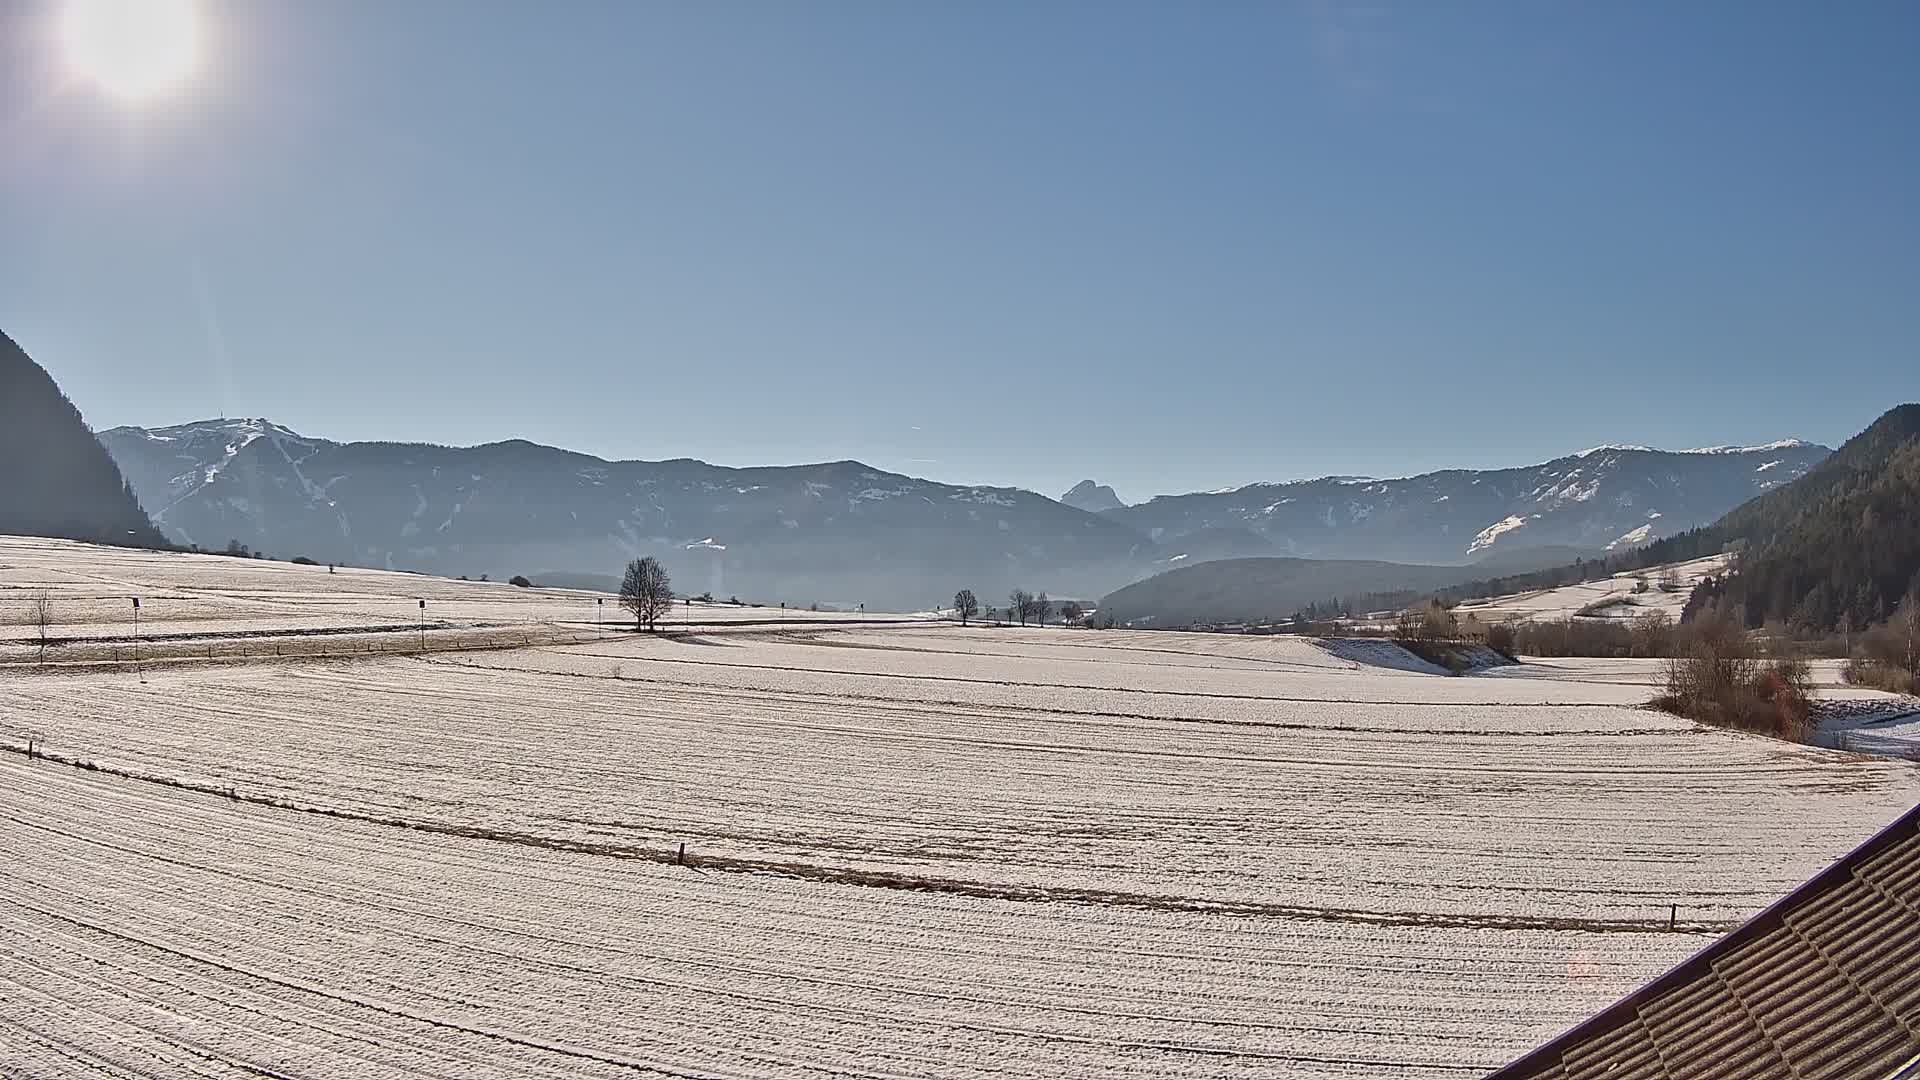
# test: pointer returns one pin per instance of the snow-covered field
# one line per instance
(911, 850)
(256, 606)
(1608, 598)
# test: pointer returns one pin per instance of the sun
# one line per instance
(132, 49)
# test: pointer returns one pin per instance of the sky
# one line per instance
(1166, 246)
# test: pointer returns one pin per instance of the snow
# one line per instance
(915, 849)
(1378, 653)
(1632, 536)
(1617, 593)
(1492, 533)
(1887, 725)
(1779, 444)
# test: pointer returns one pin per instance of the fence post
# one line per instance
(1673, 916)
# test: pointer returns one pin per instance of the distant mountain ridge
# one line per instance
(1604, 498)
(59, 480)
(837, 532)
(844, 532)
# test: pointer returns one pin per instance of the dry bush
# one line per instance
(1573, 637)
(1501, 638)
(1880, 675)
(1716, 678)
(1430, 623)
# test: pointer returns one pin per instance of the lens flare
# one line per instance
(132, 49)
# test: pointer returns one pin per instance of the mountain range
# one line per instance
(839, 533)
(1604, 499)
(844, 533)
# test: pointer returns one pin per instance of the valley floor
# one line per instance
(910, 850)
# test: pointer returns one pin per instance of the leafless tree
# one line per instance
(1650, 634)
(965, 605)
(1071, 612)
(1040, 608)
(1712, 660)
(1906, 625)
(1670, 580)
(1020, 605)
(1431, 622)
(40, 613)
(646, 591)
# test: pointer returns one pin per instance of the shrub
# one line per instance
(1715, 678)
(302, 560)
(520, 581)
(1501, 638)
(1880, 675)
(1573, 637)
(1432, 622)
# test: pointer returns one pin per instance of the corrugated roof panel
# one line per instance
(1625, 1053)
(1824, 985)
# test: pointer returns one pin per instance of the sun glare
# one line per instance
(132, 49)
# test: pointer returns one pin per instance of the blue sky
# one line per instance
(1169, 246)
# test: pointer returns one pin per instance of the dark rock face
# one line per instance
(1091, 497)
(58, 479)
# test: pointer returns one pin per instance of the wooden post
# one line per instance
(1673, 915)
(681, 859)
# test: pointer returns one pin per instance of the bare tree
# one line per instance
(646, 591)
(1712, 661)
(1019, 605)
(40, 613)
(1906, 625)
(965, 605)
(1071, 612)
(1040, 608)
(1670, 580)
(1650, 634)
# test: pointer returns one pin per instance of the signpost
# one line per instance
(136, 633)
(423, 626)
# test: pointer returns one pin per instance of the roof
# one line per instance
(1823, 985)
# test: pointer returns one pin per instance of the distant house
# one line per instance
(1823, 985)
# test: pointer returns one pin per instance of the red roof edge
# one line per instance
(1610, 1017)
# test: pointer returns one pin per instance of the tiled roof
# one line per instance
(1823, 985)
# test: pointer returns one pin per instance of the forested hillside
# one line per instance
(59, 480)
(1838, 548)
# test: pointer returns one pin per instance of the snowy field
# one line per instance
(1608, 598)
(910, 850)
(256, 606)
